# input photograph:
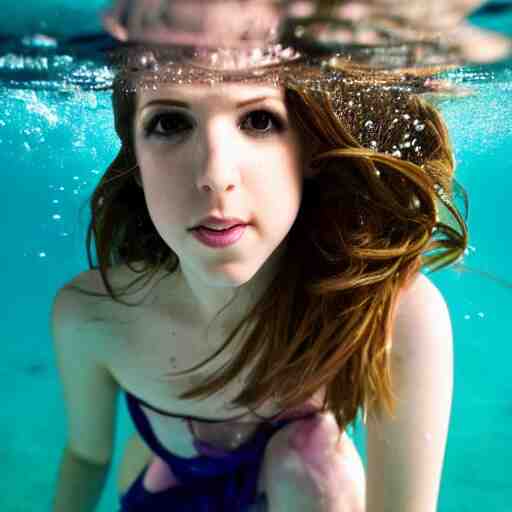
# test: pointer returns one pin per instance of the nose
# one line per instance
(218, 159)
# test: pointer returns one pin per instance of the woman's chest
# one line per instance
(144, 364)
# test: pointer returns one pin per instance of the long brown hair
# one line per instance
(379, 209)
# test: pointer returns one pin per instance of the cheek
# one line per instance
(280, 184)
(163, 184)
(166, 199)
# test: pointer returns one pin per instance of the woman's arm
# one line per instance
(90, 399)
(405, 454)
(79, 483)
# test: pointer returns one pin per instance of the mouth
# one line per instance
(219, 224)
(218, 230)
(220, 238)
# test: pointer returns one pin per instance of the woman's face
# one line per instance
(226, 151)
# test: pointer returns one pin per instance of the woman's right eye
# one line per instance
(168, 124)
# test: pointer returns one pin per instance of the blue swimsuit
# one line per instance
(221, 483)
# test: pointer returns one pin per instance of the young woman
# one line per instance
(281, 226)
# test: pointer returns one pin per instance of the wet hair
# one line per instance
(379, 209)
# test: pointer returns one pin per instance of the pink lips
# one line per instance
(215, 222)
(218, 239)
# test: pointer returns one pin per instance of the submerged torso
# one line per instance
(151, 340)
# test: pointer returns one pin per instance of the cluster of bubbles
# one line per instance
(40, 62)
(147, 67)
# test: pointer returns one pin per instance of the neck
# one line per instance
(207, 303)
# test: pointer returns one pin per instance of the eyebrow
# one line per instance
(184, 104)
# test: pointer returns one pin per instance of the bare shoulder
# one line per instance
(422, 314)
(80, 298)
(84, 305)
(88, 293)
(421, 294)
(91, 280)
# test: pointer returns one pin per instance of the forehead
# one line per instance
(228, 93)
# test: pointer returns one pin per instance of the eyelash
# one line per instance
(149, 130)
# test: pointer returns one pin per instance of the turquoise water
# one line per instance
(54, 147)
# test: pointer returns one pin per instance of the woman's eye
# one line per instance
(168, 125)
(262, 122)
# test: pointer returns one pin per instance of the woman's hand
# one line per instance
(306, 469)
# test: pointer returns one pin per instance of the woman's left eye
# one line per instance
(263, 122)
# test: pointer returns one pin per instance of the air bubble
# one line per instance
(368, 124)
(56, 217)
(419, 127)
(397, 153)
